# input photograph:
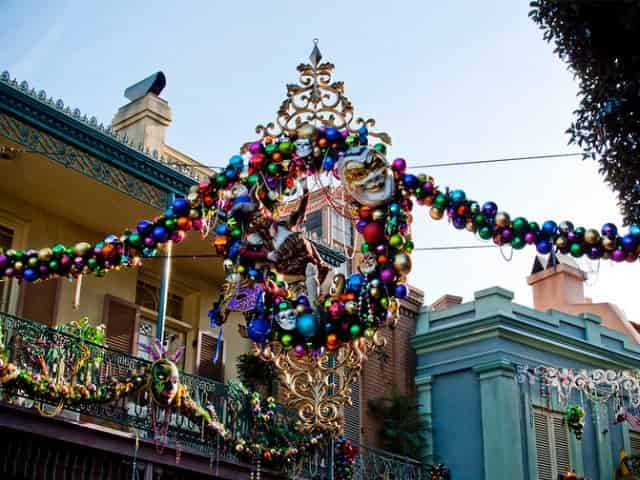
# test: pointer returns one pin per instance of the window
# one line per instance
(148, 296)
(6, 238)
(207, 347)
(352, 415)
(341, 229)
(313, 223)
(552, 444)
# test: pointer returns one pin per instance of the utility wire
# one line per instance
(9, 150)
(421, 249)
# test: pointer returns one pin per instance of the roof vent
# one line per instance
(152, 84)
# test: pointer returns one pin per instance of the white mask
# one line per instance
(366, 176)
(287, 319)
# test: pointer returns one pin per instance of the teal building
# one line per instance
(484, 424)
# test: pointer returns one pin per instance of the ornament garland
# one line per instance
(239, 208)
(273, 445)
(344, 457)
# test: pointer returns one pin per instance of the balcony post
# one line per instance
(164, 283)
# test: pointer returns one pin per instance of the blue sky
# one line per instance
(450, 81)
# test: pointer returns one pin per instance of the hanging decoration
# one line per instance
(344, 459)
(574, 419)
(300, 315)
(159, 387)
(438, 472)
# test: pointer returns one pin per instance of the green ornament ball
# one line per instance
(285, 147)
(54, 265)
(440, 201)
(354, 330)
(485, 233)
(396, 240)
(518, 243)
(57, 250)
(520, 225)
(252, 180)
(32, 262)
(271, 148)
(364, 248)
(236, 233)
(479, 219)
(380, 148)
(576, 250)
(134, 239)
(272, 168)
(408, 246)
(221, 180)
(286, 340)
(350, 140)
(92, 263)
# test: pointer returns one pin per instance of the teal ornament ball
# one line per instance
(307, 325)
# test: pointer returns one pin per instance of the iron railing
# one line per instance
(36, 348)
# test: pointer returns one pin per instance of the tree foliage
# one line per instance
(600, 41)
(403, 429)
(257, 375)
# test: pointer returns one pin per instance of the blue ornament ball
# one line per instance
(332, 134)
(457, 196)
(543, 246)
(410, 181)
(401, 291)
(490, 209)
(634, 231)
(160, 234)
(307, 325)
(236, 162)
(30, 275)
(355, 282)
(549, 227)
(144, 226)
(629, 243)
(181, 206)
(258, 329)
(221, 229)
(328, 163)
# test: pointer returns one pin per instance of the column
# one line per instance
(501, 423)
(164, 283)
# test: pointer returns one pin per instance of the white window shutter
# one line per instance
(544, 460)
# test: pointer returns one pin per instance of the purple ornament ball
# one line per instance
(459, 222)
(617, 255)
(299, 350)
(197, 224)
(387, 275)
(144, 226)
(529, 238)
(594, 253)
(506, 234)
(3, 260)
(399, 165)
(360, 225)
(149, 242)
(255, 147)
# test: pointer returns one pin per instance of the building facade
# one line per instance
(487, 425)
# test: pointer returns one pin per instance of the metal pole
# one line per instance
(330, 459)
(164, 285)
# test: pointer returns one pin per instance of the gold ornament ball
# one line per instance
(18, 266)
(375, 292)
(384, 302)
(402, 263)
(608, 243)
(503, 219)
(81, 249)
(470, 226)
(436, 213)
(193, 213)
(193, 198)
(591, 236)
(194, 188)
(300, 309)
(44, 255)
(369, 332)
(562, 242)
(351, 307)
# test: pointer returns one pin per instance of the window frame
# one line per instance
(550, 416)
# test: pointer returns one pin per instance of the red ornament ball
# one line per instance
(373, 233)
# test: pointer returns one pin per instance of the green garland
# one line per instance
(276, 446)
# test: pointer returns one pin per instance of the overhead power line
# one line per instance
(8, 150)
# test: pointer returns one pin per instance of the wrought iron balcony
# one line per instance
(42, 350)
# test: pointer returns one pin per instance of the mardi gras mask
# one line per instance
(368, 264)
(165, 380)
(366, 176)
(287, 319)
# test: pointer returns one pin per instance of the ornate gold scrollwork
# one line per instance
(319, 387)
(319, 101)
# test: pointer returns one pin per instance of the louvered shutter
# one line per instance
(561, 445)
(352, 415)
(543, 448)
(39, 301)
(552, 445)
(634, 438)
(206, 351)
(120, 317)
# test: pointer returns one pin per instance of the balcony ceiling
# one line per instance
(93, 206)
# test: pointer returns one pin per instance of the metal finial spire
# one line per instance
(315, 56)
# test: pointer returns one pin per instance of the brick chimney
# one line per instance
(146, 117)
(446, 301)
(558, 283)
